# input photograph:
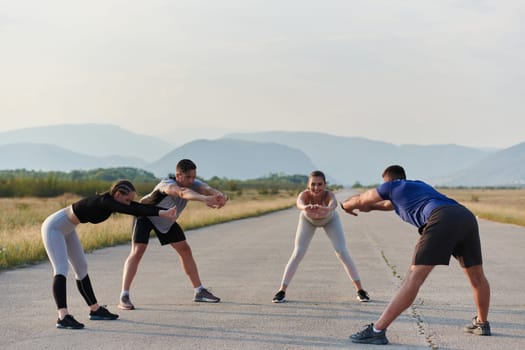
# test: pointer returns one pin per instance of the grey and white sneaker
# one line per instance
(478, 328)
(362, 296)
(368, 336)
(279, 297)
(205, 296)
(125, 303)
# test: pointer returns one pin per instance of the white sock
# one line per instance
(124, 293)
(199, 288)
(376, 330)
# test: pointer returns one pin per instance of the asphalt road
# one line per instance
(242, 262)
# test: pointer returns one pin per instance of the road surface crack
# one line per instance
(416, 314)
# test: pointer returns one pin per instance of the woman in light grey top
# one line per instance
(318, 209)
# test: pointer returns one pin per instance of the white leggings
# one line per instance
(62, 245)
(305, 232)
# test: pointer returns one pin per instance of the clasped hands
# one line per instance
(216, 201)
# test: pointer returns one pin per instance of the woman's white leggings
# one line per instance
(305, 232)
(63, 245)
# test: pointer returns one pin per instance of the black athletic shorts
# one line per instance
(450, 231)
(143, 226)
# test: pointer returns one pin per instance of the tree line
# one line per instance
(30, 183)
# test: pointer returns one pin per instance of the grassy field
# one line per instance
(501, 205)
(21, 218)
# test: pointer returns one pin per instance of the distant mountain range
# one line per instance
(353, 159)
(345, 160)
(236, 159)
(99, 140)
(37, 156)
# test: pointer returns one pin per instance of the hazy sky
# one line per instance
(399, 71)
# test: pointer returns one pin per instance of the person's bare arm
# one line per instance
(316, 211)
(332, 204)
(175, 190)
(302, 198)
(324, 210)
(170, 213)
(384, 205)
(219, 198)
(366, 201)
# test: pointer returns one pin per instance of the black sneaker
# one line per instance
(68, 322)
(362, 296)
(478, 328)
(102, 314)
(279, 297)
(205, 296)
(368, 336)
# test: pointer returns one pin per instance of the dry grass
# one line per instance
(21, 219)
(501, 205)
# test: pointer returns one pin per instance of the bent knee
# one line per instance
(138, 250)
(476, 276)
(478, 280)
(342, 254)
(183, 248)
(298, 254)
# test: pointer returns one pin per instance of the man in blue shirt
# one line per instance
(446, 229)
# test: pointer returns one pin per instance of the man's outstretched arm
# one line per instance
(366, 201)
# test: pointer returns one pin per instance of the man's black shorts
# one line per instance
(142, 227)
(450, 231)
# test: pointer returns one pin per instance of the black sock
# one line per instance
(86, 290)
(59, 291)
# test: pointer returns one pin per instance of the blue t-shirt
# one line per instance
(413, 201)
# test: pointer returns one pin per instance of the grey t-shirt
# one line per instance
(159, 198)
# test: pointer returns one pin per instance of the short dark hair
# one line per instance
(395, 172)
(318, 173)
(184, 165)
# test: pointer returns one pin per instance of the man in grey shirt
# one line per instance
(171, 192)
